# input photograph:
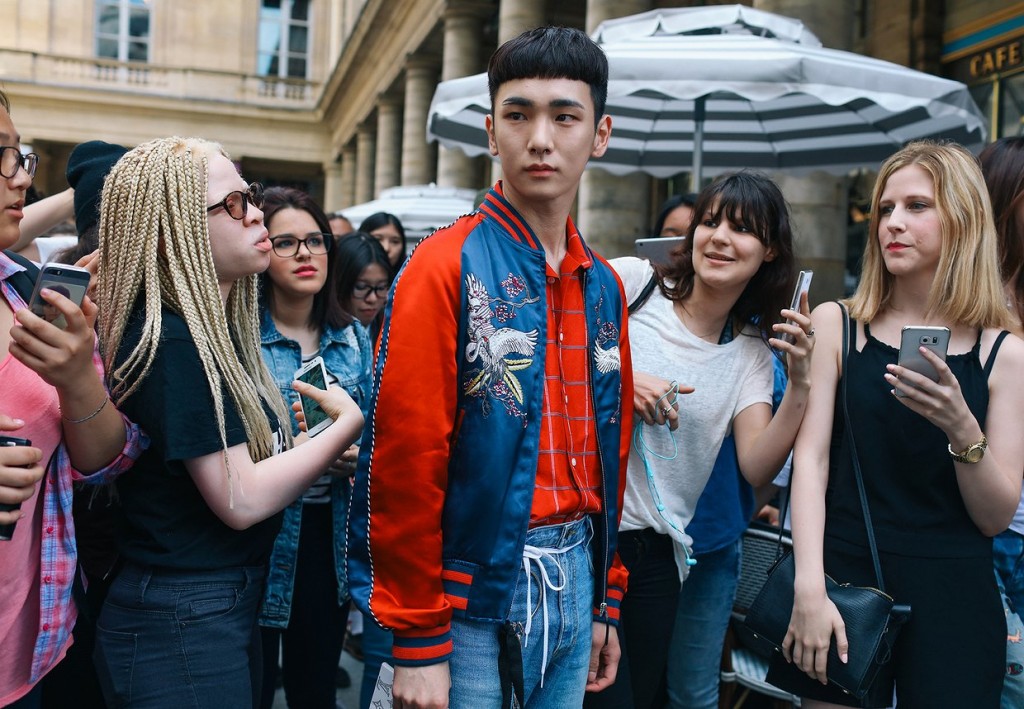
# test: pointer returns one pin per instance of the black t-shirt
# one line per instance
(164, 520)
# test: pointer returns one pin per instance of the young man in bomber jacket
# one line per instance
(491, 472)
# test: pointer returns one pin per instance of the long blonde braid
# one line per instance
(154, 253)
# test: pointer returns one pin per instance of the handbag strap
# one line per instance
(853, 453)
(856, 465)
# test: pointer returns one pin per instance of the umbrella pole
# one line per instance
(698, 143)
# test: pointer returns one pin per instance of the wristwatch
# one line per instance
(972, 453)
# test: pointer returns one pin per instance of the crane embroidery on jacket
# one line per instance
(496, 347)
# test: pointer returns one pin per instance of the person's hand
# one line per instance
(334, 400)
(63, 358)
(769, 514)
(814, 621)
(940, 402)
(604, 656)
(655, 399)
(90, 262)
(20, 470)
(422, 687)
(345, 465)
(800, 329)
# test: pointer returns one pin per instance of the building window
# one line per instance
(122, 30)
(284, 39)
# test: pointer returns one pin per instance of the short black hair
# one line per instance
(354, 253)
(669, 206)
(551, 53)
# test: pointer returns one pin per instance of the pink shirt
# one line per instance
(32, 400)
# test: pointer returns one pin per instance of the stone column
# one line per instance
(818, 202)
(333, 184)
(366, 142)
(614, 211)
(419, 159)
(517, 16)
(348, 176)
(462, 27)
(389, 143)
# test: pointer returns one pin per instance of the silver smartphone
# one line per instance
(70, 281)
(803, 285)
(913, 337)
(315, 374)
(659, 250)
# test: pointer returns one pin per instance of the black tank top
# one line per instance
(915, 502)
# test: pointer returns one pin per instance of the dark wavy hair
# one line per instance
(379, 219)
(353, 254)
(752, 199)
(551, 53)
(1002, 164)
(274, 200)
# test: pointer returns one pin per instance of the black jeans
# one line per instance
(311, 645)
(645, 625)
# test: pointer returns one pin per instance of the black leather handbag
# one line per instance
(872, 618)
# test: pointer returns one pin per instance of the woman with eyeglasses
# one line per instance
(182, 239)
(364, 277)
(305, 606)
(388, 230)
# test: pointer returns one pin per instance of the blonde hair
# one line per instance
(966, 289)
(154, 247)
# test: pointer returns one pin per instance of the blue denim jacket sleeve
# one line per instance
(347, 356)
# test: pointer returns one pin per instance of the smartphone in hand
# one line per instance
(659, 250)
(803, 285)
(315, 374)
(70, 281)
(913, 337)
(7, 530)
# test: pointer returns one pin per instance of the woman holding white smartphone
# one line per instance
(305, 607)
(182, 240)
(706, 331)
(941, 463)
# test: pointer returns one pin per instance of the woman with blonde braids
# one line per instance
(181, 241)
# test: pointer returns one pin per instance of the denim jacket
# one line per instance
(348, 355)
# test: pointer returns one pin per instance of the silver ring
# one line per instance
(666, 410)
(810, 333)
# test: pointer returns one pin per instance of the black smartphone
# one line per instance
(315, 374)
(912, 338)
(70, 281)
(7, 530)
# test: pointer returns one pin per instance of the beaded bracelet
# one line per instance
(94, 414)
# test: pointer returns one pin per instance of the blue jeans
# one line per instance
(1008, 552)
(702, 617)
(181, 639)
(474, 661)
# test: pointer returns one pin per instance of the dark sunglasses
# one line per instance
(236, 203)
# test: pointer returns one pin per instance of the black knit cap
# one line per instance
(88, 166)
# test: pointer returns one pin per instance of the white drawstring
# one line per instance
(538, 554)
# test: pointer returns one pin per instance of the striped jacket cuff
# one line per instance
(417, 648)
(614, 602)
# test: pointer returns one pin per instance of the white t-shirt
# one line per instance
(727, 379)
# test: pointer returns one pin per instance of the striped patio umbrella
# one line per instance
(715, 89)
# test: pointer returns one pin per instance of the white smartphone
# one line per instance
(913, 337)
(659, 250)
(70, 281)
(315, 374)
(803, 285)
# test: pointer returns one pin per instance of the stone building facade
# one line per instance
(332, 95)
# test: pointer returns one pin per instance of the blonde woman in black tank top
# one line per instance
(931, 260)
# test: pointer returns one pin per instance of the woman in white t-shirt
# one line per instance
(694, 335)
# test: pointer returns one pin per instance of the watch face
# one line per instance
(975, 454)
